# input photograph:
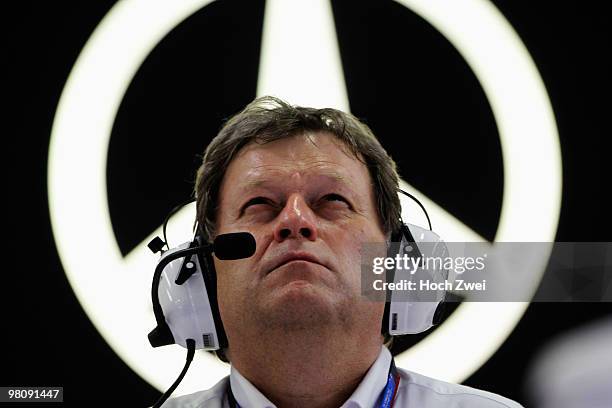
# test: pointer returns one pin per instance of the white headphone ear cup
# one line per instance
(210, 278)
(415, 311)
(186, 308)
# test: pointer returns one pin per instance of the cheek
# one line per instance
(354, 238)
(346, 246)
(349, 244)
(229, 279)
(232, 289)
(223, 280)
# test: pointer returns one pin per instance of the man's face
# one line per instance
(310, 206)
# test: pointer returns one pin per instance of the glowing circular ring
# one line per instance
(79, 207)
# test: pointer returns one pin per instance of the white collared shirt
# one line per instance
(414, 391)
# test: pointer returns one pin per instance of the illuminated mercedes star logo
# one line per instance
(114, 290)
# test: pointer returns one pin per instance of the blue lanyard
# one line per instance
(393, 379)
(388, 395)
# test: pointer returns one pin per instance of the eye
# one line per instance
(255, 201)
(336, 198)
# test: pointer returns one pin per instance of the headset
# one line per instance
(415, 311)
(184, 288)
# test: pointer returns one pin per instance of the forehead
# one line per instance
(310, 157)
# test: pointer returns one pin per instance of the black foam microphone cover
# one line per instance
(236, 245)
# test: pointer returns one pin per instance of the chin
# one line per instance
(300, 304)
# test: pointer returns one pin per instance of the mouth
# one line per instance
(296, 257)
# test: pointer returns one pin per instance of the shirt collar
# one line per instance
(365, 395)
(369, 390)
(247, 396)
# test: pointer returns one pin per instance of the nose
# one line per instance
(296, 220)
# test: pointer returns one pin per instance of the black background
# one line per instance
(404, 79)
